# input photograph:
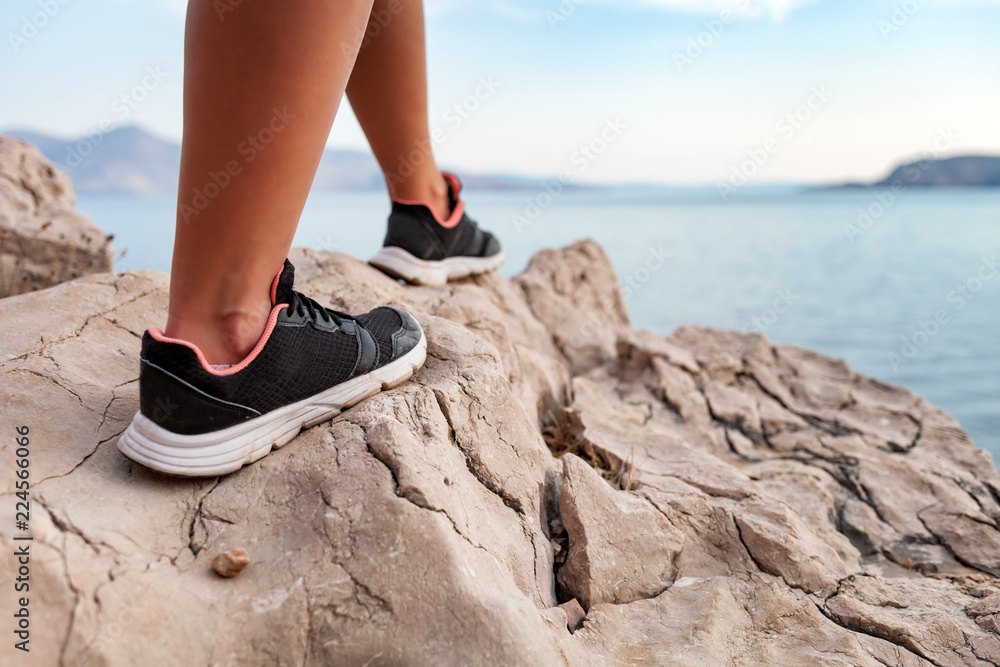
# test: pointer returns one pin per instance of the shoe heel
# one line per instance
(400, 263)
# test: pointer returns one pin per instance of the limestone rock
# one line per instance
(913, 614)
(751, 504)
(44, 240)
(726, 621)
(986, 612)
(573, 291)
(621, 548)
(575, 614)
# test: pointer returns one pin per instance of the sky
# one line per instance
(656, 91)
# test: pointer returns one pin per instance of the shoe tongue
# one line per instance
(283, 288)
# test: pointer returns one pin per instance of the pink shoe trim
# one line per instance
(274, 285)
(456, 213)
(157, 334)
(453, 182)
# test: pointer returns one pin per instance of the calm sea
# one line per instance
(906, 290)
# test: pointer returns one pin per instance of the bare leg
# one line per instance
(262, 84)
(388, 92)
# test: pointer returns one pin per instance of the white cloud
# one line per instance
(513, 9)
(958, 3)
(776, 9)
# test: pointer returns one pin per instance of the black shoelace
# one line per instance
(303, 305)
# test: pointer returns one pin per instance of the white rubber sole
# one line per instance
(228, 450)
(400, 263)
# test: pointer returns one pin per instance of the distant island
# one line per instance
(953, 172)
(131, 161)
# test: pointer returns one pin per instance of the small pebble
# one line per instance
(975, 592)
(231, 563)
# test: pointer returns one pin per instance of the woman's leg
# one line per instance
(388, 92)
(262, 84)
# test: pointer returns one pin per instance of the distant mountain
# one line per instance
(126, 160)
(129, 160)
(348, 170)
(964, 171)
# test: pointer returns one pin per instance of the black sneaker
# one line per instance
(423, 249)
(312, 362)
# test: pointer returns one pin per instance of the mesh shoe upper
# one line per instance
(414, 227)
(306, 350)
(382, 323)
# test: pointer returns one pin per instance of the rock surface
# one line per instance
(748, 504)
(44, 240)
(621, 548)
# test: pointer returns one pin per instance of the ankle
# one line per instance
(222, 339)
(241, 331)
(430, 189)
